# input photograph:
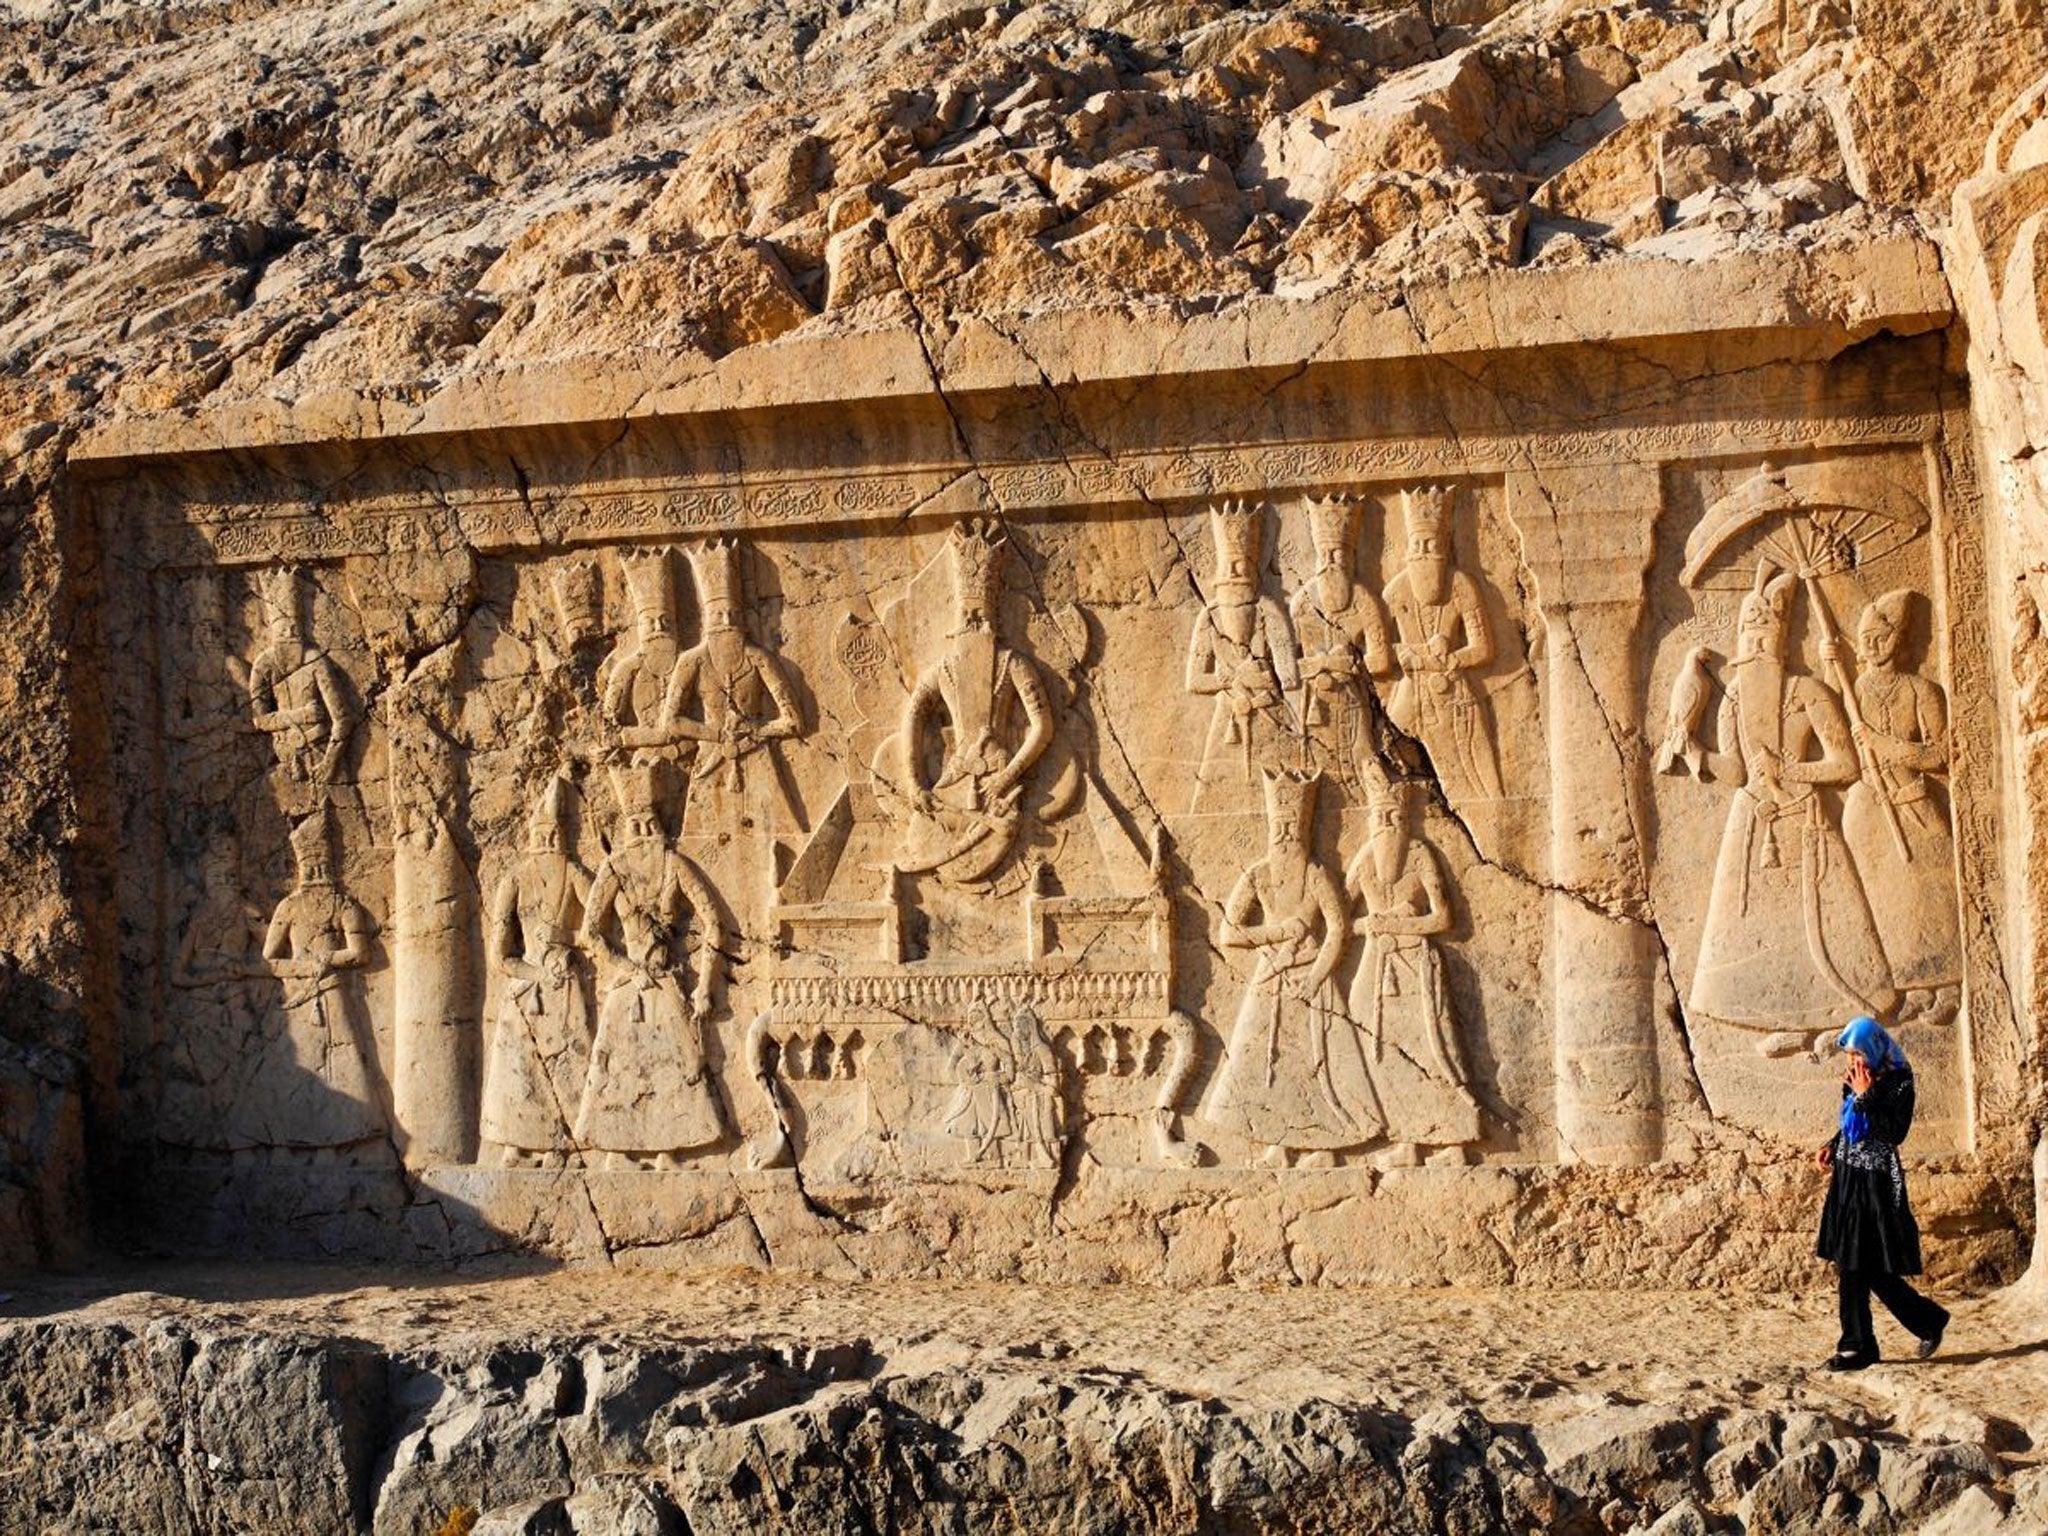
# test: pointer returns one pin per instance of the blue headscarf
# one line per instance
(1867, 1038)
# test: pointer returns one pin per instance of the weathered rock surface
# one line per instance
(988, 1416)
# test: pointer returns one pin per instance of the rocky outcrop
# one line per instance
(174, 1429)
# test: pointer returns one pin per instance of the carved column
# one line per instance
(1587, 536)
(1997, 259)
(414, 607)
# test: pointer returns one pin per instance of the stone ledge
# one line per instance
(1831, 297)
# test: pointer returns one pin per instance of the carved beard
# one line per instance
(1389, 853)
(1761, 639)
(1234, 611)
(1429, 577)
(1334, 589)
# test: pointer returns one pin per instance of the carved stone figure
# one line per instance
(1242, 655)
(1294, 1077)
(634, 677)
(312, 1087)
(1007, 1109)
(727, 700)
(978, 718)
(1788, 941)
(1343, 639)
(1398, 996)
(217, 973)
(298, 696)
(1895, 818)
(540, 1044)
(1441, 637)
(649, 1094)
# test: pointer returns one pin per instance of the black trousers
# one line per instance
(1916, 1314)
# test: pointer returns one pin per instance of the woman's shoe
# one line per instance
(1927, 1346)
(1853, 1362)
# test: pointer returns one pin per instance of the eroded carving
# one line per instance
(1895, 817)
(538, 1058)
(298, 697)
(1442, 637)
(977, 720)
(649, 1096)
(1294, 1079)
(1399, 999)
(312, 1086)
(1343, 641)
(1242, 655)
(727, 702)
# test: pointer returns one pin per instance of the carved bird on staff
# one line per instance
(1681, 751)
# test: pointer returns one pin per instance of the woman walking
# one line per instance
(1867, 1226)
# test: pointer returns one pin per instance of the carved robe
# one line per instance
(300, 700)
(999, 722)
(1788, 941)
(1399, 1001)
(1338, 650)
(1244, 657)
(312, 1085)
(1437, 699)
(1912, 897)
(649, 1089)
(1293, 1074)
(218, 977)
(540, 1042)
(732, 699)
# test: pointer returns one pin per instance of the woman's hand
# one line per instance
(1860, 1077)
(1825, 1157)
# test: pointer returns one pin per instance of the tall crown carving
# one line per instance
(649, 581)
(1426, 509)
(1237, 528)
(977, 547)
(1291, 801)
(716, 565)
(1329, 523)
(579, 599)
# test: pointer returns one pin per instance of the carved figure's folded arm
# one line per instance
(1829, 726)
(1038, 725)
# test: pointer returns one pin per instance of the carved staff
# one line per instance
(1845, 686)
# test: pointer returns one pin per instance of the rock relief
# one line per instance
(1227, 866)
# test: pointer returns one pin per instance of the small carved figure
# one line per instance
(1242, 655)
(1894, 817)
(649, 1094)
(313, 1087)
(1681, 751)
(1788, 939)
(540, 1046)
(298, 696)
(977, 720)
(1442, 637)
(218, 967)
(1294, 1077)
(1398, 997)
(727, 699)
(1343, 638)
(1007, 1107)
(633, 680)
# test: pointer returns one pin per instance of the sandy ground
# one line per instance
(1523, 1355)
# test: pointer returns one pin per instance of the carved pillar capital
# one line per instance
(1588, 533)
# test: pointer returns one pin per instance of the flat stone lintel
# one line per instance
(1821, 301)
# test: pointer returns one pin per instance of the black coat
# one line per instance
(1867, 1222)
